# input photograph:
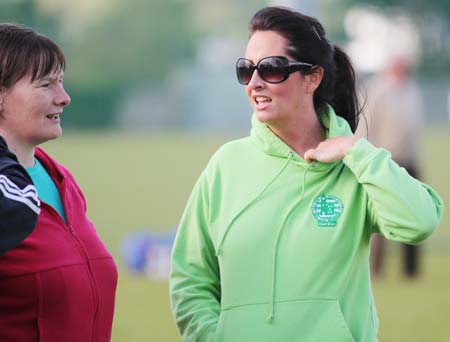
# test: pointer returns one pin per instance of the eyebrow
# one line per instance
(51, 77)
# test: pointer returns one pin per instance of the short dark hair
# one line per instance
(26, 52)
(307, 43)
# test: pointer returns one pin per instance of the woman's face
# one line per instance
(274, 104)
(30, 111)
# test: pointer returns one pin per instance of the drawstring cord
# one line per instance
(219, 248)
(275, 250)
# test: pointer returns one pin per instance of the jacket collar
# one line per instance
(53, 168)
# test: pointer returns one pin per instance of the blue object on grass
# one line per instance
(148, 252)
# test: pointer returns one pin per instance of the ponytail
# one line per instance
(345, 101)
(338, 86)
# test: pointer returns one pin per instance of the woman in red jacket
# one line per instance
(59, 283)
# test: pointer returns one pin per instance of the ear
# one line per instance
(314, 79)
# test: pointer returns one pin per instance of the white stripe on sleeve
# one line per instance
(27, 195)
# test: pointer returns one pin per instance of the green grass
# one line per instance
(419, 310)
(137, 182)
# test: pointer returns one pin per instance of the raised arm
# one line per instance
(401, 207)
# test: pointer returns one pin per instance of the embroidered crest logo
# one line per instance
(326, 209)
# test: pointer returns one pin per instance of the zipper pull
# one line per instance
(71, 229)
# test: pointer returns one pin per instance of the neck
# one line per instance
(23, 152)
(302, 134)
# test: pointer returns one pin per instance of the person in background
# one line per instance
(394, 120)
(19, 203)
(59, 283)
(274, 241)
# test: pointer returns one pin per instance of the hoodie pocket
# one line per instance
(308, 320)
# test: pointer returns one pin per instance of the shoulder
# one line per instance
(54, 168)
(229, 156)
(11, 172)
(7, 158)
(233, 149)
(50, 163)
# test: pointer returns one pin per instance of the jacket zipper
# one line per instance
(84, 254)
(94, 285)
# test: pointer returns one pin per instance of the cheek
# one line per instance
(248, 91)
(291, 100)
(284, 92)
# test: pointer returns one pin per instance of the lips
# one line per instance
(261, 102)
(53, 116)
(259, 99)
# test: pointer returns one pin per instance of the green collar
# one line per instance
(271, 144)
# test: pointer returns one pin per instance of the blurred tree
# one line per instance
(19, 11)
(138, 41)
(218, 17)
(115, 45)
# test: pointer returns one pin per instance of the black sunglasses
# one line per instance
(274, 69)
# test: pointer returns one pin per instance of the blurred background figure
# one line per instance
(393, 117)
(394, 120)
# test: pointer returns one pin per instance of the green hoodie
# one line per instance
(271, 248)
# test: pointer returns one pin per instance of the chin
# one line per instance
(265, 117)
(51, 136)
(56, 136)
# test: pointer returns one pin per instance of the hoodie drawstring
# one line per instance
(275, 250)
(219, 247)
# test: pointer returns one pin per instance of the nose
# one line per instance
(62, 98)
(256, 81)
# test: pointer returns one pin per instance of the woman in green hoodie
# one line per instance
(274, 242)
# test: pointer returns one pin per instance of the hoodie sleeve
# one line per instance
(401, 208)
(195, 281)
(19, 202)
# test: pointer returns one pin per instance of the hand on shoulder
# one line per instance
(331, 149)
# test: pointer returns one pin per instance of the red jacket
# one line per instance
(59, 284)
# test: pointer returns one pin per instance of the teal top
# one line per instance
(46, 188)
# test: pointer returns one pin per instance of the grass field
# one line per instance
(137, 182)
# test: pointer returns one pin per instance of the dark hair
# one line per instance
(26, 52)
(307, 43)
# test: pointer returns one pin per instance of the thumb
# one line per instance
(310, 155)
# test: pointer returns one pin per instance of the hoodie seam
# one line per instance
(306, 299)
(49, 269)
